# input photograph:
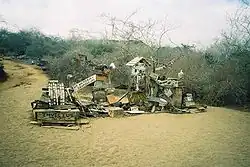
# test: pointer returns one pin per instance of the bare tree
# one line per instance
(238, 36)
(2, 20)
(150, 33)
(245, 2)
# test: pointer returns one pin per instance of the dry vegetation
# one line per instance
(218, 75)
(219, 137)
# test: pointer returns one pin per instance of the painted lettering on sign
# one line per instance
(56, 115)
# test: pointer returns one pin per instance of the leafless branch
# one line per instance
(151, 33)
(245, 2)
(2, 20)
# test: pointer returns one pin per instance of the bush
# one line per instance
(3, 75)
(217, 76)
(31, 43)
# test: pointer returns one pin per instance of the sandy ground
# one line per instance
(220, 137)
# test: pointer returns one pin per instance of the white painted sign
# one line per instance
(84, 83)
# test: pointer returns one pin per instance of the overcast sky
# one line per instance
(196, 21)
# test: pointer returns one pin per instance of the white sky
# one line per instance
(197, 21)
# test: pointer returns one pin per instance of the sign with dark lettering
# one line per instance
(57, 115)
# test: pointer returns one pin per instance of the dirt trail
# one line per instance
(220, 137)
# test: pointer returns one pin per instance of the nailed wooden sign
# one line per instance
(84, 83)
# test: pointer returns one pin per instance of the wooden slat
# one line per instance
(63, 127)
(56, 93)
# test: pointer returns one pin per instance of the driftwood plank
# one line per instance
(63, 127)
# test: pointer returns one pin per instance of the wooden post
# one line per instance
(177, 97)
(137, 83)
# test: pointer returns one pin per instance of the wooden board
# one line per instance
(113, 99)
(135, 112)
(56, 116)
(63, 127)
(177, 97)
(101, 78)
(84, 83)
(116, 112)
